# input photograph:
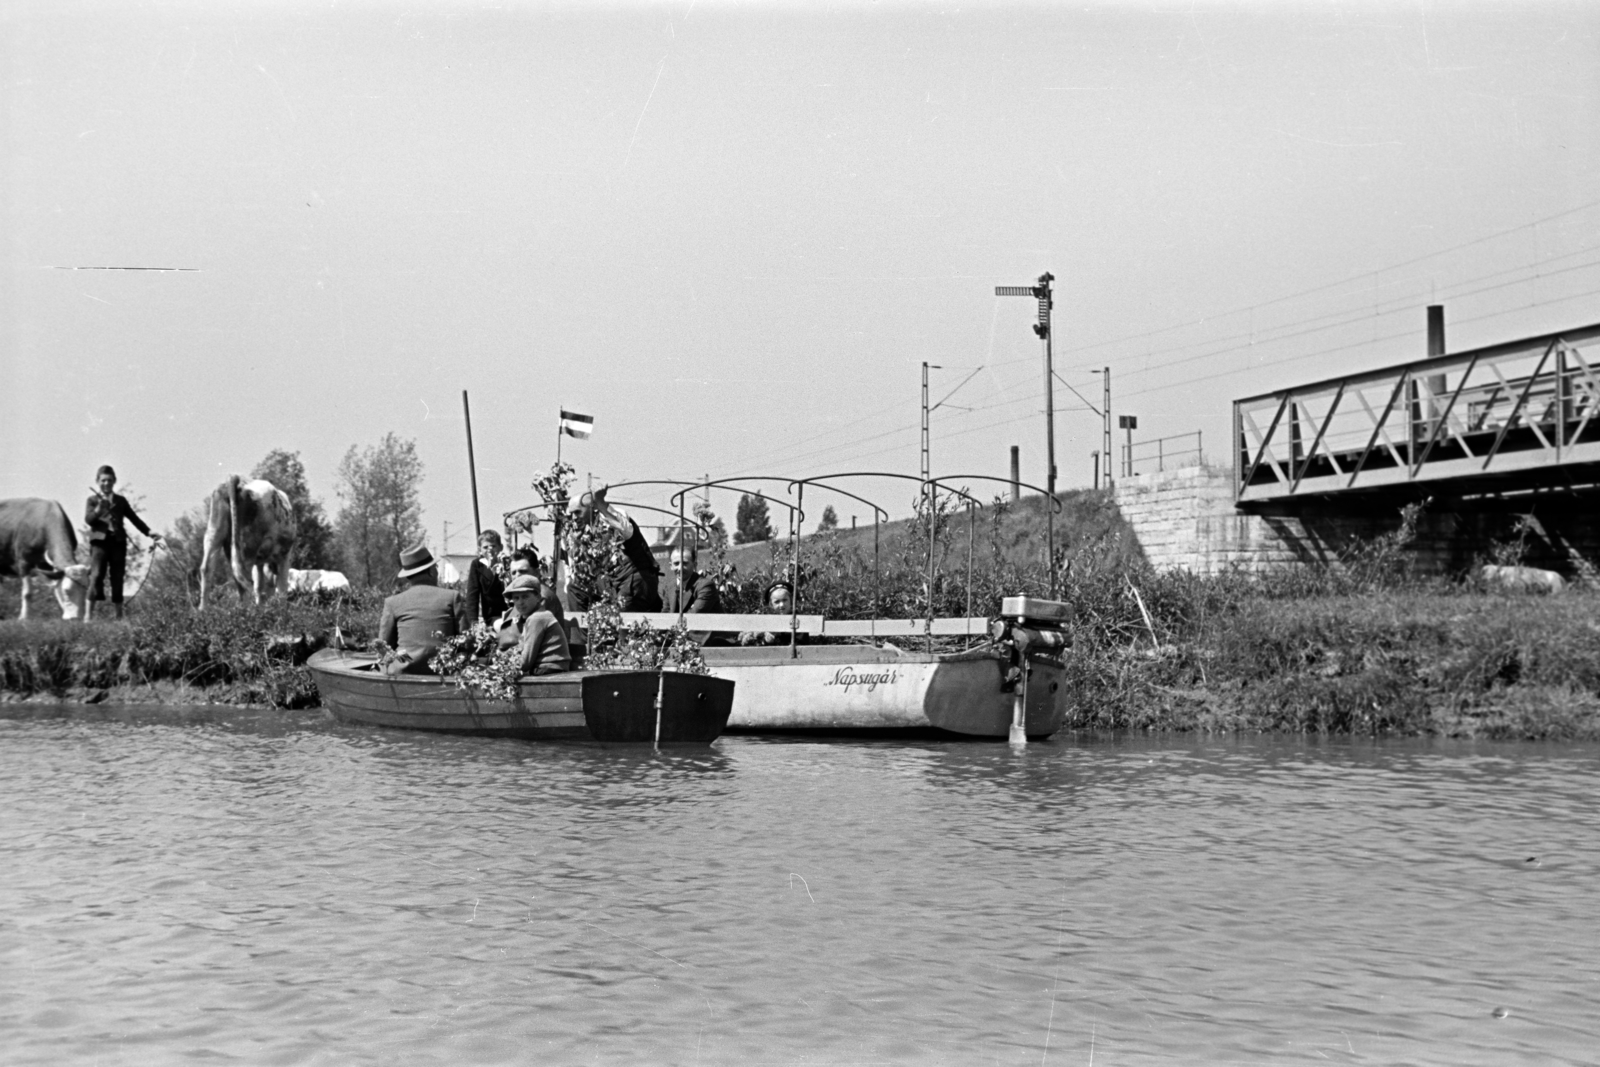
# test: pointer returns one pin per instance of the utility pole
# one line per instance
(924, 426)
(1041, 293)
(1105, 411)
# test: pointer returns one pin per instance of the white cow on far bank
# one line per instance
(1528, 579)
(317, 581)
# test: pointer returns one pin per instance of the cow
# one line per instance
(35, 537)
(251, 524)
(71, 592)
(1525, 579)
(317, 581)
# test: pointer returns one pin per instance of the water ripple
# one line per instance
(279, 889)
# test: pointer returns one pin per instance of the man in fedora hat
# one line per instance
(537, 634)
(415, 618)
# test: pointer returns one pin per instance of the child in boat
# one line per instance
(486, 588)
(779, 601)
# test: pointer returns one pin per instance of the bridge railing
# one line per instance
(1483, 414)
(1163, 453)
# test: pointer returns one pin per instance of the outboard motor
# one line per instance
(1029, 627)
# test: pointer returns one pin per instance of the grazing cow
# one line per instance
(1527, 579)
(35, 537)
(71, 592)
(318, 581)
(252, 525)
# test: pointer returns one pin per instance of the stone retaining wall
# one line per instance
(1186, 519)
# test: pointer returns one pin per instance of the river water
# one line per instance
(212, 885)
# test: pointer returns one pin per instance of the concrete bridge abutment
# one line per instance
(1186, 519)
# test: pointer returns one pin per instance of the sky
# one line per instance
(733, 232)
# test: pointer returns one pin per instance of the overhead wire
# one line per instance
(1331, 320)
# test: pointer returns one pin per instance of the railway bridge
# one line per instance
(1512, 418)
(1502, 442)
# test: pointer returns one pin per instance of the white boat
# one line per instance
(1009, 685)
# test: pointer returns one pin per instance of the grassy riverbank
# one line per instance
(1220, 654)
(167, 652)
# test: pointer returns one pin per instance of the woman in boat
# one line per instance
(538, 636)
(486, 590)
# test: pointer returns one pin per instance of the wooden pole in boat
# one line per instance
(970, 537)
(797, 517)
(661, 694)
(677, 579)
(931, 498)
(472, 469)
(877, 576)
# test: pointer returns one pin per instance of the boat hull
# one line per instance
(610, 706)
(855, 687)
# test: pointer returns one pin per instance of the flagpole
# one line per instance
(555, 519)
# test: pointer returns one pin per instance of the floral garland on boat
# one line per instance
(623, 646)
(475, 661)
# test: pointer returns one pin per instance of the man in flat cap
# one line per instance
(535, 632)
(415, 618)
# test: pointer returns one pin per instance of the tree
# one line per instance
(177, 566)
(830, 520)
(751, 522)
(313, 547)
(380, 516)
(716, 534)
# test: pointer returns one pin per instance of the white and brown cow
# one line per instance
(35, 538)
(252, 525)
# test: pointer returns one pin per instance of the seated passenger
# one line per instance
(415, 618)
(693, 593)
(780, 601)
(540, 639)
(526, 561)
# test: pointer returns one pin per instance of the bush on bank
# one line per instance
(231, 653)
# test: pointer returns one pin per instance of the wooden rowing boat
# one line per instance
(661, 707)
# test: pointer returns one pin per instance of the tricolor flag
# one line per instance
(575, 425)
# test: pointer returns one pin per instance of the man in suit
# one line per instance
(635, 576)
(415, 618)
(693, 593)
